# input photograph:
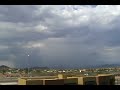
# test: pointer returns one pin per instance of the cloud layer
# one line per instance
(59, 35)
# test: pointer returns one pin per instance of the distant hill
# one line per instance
(110, 65)
(68, 67)
(103, 66)
(4, 67)
(88, 66)
(84, 66)
(39, 68)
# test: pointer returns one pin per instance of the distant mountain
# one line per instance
(87, 66)
(39, 68)
(104, 66)
(68, 67)
(110, 65)
(4, 67)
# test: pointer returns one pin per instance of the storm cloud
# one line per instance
(59, 35)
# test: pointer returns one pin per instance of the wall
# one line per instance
(89, 81)
(54, 82)
(21, 81)
(105, 80)
(62, 76)
(71, 81)
(79, 80)
(34, 82)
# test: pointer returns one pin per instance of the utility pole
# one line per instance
(28, 64)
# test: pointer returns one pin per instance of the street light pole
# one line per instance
(28, 65)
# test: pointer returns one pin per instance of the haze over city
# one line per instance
(59, 35)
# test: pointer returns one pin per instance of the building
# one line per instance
(101, 79)
(50, 81)
(105, 79)
(62, 79)
(59, 80)
(88, 80)
(117, 80)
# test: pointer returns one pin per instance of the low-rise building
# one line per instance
(105, 79)
(62, 79)
(50, 81)
(86, 80)
(101, 79)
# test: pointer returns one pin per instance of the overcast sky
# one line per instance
(59, 35)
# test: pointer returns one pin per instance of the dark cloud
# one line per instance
(17, 13)
(69, 35)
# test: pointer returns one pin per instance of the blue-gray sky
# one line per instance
(59, 35)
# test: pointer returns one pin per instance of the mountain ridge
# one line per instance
(65, 67)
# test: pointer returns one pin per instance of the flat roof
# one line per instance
(105, 75)
(9, 83)
(44, 79)
(41, 77)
